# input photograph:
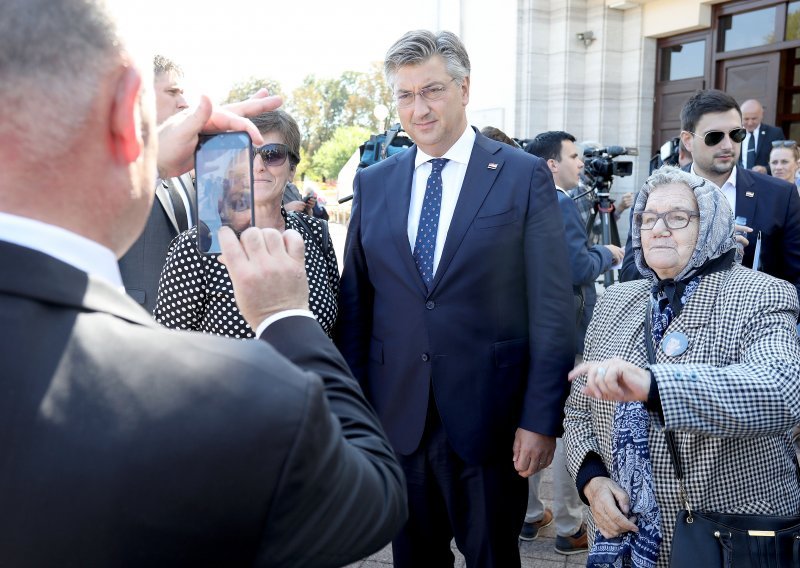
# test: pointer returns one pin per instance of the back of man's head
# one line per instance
(51, 55)
(73, 121)
(547, 145)
(706, 102)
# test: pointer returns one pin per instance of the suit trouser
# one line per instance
(568, 508)
(482, 506)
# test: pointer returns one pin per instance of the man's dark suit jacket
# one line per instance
(771, 206)
(766, 136)
(126, 444)
(494, 337)
(141, 265)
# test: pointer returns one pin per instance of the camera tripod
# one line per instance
(603, 206)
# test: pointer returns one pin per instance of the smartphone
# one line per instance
(224, 170)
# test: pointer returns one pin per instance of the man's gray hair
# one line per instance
(418, 46)
(52, 55)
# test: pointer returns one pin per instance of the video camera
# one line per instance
(668, 154)
(600, 167)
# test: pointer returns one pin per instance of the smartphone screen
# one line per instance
(224, 169)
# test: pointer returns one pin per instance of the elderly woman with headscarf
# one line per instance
(726, 381)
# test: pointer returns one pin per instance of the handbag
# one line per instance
(709, 539)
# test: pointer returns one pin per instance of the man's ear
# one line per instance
(126, 119)
(553, 165)
(687, 139)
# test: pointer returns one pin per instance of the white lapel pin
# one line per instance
(749, 194)
(492, 166)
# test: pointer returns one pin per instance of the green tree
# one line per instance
(321, 106)
(243, 89)
(334, 153)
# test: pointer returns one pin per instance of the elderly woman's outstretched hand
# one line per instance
(613, 379)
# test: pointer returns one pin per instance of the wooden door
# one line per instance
(752, 77)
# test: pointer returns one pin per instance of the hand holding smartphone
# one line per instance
(224, 167)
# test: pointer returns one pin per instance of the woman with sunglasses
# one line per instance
(195, 291)
(784, 160)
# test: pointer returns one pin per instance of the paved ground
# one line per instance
(539, 553)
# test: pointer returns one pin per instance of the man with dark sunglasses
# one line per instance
(758, 143)
(711, 121)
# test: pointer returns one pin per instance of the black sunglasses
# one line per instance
(714, 137)
(784, 144)
(274, 154)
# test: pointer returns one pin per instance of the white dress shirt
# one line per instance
(68, 247)
(728, 188)
(82, 253)
(452, 180)
(745, 143)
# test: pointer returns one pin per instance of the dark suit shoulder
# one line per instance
(770, 183)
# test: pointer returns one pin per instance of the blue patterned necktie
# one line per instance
(425, 243)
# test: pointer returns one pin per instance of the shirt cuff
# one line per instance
(653, 402)
(591, 467)
(279, 316)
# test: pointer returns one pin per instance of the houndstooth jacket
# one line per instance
(731, 397)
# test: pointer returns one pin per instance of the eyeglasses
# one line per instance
(405, 99)
(784, 144)
(675, 219)
(714, 137)
(274, 154)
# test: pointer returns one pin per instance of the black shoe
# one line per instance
(531, 530)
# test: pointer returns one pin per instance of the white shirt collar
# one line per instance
(731, 179)
(66, 246)
(458, 152)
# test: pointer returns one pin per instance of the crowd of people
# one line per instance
(254, 407)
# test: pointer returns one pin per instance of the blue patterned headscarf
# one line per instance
(631, 466)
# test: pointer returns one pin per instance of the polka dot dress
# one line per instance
(196, 293)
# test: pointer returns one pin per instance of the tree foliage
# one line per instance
(334, 153)
(243, 89)
(324, 108)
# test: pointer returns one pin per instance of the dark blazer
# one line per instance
(494, 337)
(586, 261)
(141, 265)
(766, 136)
(127, 444)
(771, 206)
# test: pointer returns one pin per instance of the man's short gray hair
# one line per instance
(418, 46)
(52, 55)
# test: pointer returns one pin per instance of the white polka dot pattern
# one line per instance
(425, 243)
(195, 291)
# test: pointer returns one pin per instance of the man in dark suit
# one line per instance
(126, 444)
(712, 131)
(457, 313)
(173, 207)
(758, 142)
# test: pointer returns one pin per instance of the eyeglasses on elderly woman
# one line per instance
(784, 144)
(675, 219)
(274, 154)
